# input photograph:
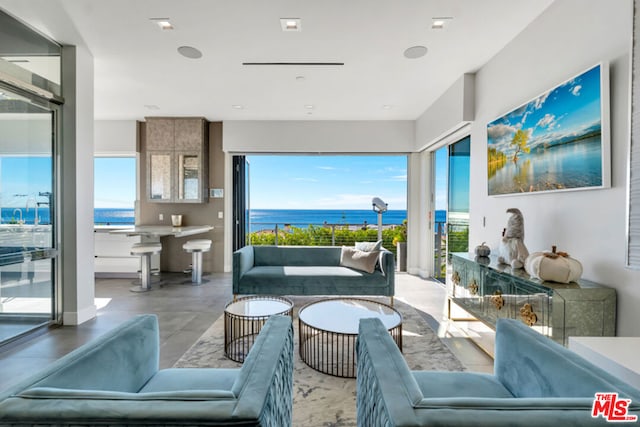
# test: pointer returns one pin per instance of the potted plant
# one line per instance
(400, 242)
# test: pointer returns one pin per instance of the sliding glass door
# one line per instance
(451, 202)
(27, 220)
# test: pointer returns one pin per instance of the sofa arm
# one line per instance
(264, 386)
(243, 261)
(385, 388)
(530, 364)
(388, 268)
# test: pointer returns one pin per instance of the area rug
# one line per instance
(320, 399)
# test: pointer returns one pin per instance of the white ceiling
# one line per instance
(137, 64)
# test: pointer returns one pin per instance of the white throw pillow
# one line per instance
(360, 260)
(369, 246)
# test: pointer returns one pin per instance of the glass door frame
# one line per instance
(54, 105)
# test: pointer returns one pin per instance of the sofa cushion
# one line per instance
(459, 384)
(360, 260)
(296, 256)
(73, 394)
(191, 379)
(369, 246)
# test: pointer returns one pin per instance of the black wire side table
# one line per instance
(244, 318)
(328, 330)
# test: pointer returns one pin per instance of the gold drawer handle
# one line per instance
(497, 300)
(527, 315)
(455, 278)
(473, 287)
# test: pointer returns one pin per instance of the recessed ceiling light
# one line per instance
(291, 24)
(189, 52)
(238, 106)
(440, 23)
(415, 52)
(300, 78)
(163, 23)
(151, 107)
(309, 107)
(386, 107)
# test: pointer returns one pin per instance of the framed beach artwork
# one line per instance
(558, 141)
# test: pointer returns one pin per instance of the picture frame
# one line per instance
(558, 141)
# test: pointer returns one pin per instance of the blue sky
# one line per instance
(22, 178)
(327, 182)
(568, 110)
(115, 182)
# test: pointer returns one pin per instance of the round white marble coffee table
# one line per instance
(328, 330)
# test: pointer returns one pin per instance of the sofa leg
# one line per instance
(391, 301)
(235, 297)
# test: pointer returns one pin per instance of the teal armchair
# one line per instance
(536, 382)
(114, 380)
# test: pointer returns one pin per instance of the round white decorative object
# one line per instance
(553, 267)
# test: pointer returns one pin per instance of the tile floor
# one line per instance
(186, 311)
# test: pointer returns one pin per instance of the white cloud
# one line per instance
(326, 168)
(399, 177)
(575, 91)
(305, 179)
(548, 121)
(539, 102)
(356, 201)
(501, 133)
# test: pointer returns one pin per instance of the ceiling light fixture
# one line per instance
(291, 24)
(415, 52)
(238, 106)
(386, 107)
(300, 78)
(163, 23)
(440, 23)
(151, 107)
(309, 107)
(189, 52)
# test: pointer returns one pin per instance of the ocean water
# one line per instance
(267, 218)
(260, 218)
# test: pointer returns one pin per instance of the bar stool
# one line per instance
(196, 247)
(144, 251)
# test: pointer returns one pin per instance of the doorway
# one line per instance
(451, 202)
(28, 247)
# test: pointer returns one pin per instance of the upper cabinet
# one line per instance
(177, 160)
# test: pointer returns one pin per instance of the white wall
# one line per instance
(318, 136)
(115, 137)
(448, 114)
(76, 193)
(569, 37)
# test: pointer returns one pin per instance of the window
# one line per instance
(114, 190)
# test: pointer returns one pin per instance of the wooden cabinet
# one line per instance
(488, 291)
(177, 158)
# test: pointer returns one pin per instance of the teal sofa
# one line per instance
(307, 270)
(536, 382)
(114, 381)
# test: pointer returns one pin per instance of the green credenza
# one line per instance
(488, 290)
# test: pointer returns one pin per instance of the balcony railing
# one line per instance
(455, 236)
(298, 234)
